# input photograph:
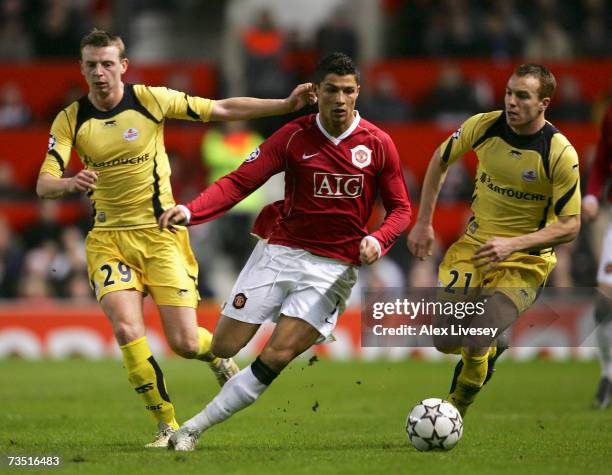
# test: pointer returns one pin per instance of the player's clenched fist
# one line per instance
(174, 215)
(369, 250)
(85, 180)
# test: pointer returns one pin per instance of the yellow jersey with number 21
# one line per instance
(523, 183)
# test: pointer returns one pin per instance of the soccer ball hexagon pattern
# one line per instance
(434, 424)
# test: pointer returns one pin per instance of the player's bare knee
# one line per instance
(125, 333)
(186, 348)
(448, 345)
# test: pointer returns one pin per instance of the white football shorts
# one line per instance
(604, 273)
(282, 280)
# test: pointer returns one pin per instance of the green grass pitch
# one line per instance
(329, 417)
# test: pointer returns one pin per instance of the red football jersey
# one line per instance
(601, 169)
(331, 185)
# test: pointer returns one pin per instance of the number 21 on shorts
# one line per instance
(452, 288)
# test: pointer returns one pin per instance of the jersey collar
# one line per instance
(345, 134)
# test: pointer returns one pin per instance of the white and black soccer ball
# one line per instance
(434, 424)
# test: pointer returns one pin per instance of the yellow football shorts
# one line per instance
(519, 277)
(147, 260)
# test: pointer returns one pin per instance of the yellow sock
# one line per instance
(470, 381)
(474, 369)
(205, 339)
(147, 379)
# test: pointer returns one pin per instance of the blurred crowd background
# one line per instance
(263, 48)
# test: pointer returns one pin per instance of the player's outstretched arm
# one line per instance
(49, 186)
(394, 195)
(245, 108)
(421, 237)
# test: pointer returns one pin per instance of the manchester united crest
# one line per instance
(239, 301)
(361, 156)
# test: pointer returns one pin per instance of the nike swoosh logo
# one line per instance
(306, 157)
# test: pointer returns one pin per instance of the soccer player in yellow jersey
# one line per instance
(526, 200)
(117, 130)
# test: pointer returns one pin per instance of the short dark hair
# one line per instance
(335, 63)
(548, 83)
(100, 39)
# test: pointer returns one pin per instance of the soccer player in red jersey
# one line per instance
(599, 178)
(302, 271)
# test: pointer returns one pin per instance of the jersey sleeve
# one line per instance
(266, 160)
(178, 105)
(566, 183)
(60, 145)
(394, 195)
(461, 141)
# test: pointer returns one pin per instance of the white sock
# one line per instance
(240, 391)
(604, 340)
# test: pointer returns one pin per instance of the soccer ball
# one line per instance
(434, 424)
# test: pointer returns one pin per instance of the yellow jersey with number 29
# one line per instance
(125, 146)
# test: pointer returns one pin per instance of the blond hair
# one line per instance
(100, 39)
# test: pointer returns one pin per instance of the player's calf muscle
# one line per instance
(226, 349)
(277, 359)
